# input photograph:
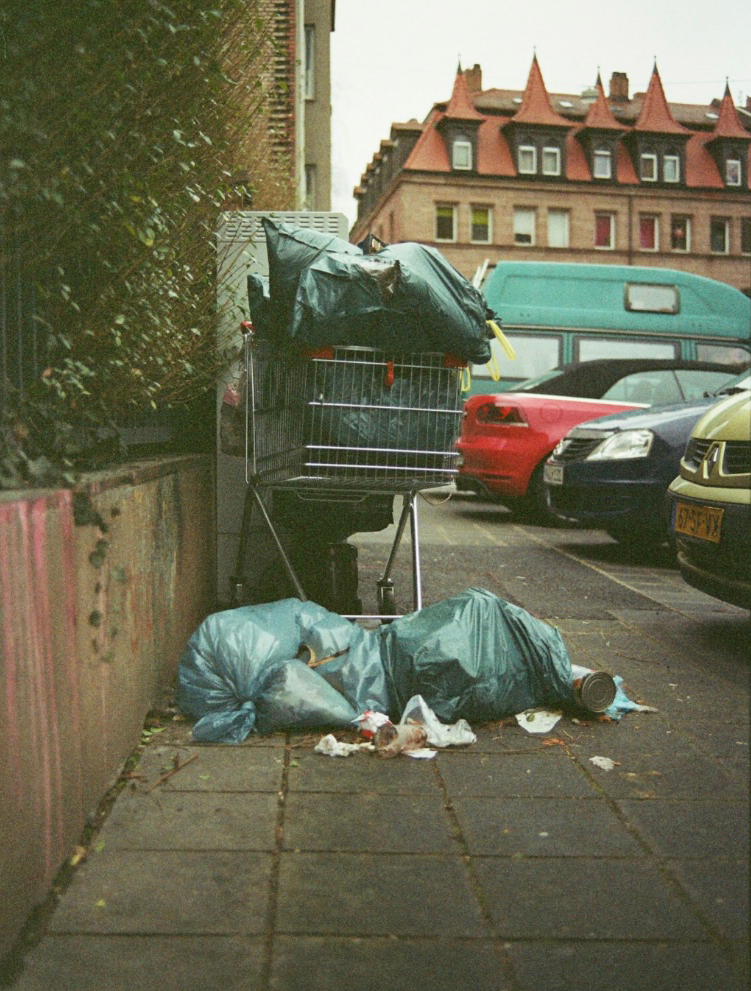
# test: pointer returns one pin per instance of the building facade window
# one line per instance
(746, 235)
(524, 225)
(671, 168)
(733, 172)
(310, 187)
(461, 154)
(558, 228)
(648, 167)
(719, 235)
(649, 232)
(310, 61)
(605, 230)
(481, 225)
(445, 222)
(680, 233)
(551, 161)
(602, 164)
(527, 160)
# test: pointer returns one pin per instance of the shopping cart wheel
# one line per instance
(386, 598)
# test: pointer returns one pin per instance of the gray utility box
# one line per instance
(241, 251)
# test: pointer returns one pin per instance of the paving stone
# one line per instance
(543, 827)
(545, 772)
(384, 894)
(691, 829)
(182, 892)
(720, 890)
(365, 772)
(632, 966)
(132, 963)
(192, 821)
(373, 823)
(214, 768)
(584, 899)
(398, 964)
(685, 775)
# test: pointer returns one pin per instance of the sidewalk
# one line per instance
(515, 863)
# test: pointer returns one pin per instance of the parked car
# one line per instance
(612, 473)
(506, 438)
(709, 504)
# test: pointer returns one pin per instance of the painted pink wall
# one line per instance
(89, 633)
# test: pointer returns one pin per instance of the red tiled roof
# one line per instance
(536, 107)
(600, 116)
(655, 116)
(728, 124)
(430, 152)
(701, 169)
(460, 106)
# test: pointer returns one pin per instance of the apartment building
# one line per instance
(496, 174)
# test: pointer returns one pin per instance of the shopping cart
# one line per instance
(342, 424)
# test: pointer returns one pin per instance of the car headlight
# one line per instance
(622, 445)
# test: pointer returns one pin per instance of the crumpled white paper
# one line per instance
(332, 747)
(604, 762)
(538, 720)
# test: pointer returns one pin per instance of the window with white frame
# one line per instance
(649, 232)
(648, 167)
(680, 233)
(551, 160)
(733, 172)
(527, 160)
(671, 168)
(481, 225)
(461, 154)
(524, 225)
(719, 235)
(558, 228)
(605, 231)
(445, 222)
(602, 164)
(310, 61)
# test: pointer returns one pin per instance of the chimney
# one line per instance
(474, 78)
(619, 87)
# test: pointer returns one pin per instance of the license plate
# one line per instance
(702, 522)
(553, 474)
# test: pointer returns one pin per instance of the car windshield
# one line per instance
(739, 384)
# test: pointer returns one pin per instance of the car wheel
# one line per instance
(534, 506)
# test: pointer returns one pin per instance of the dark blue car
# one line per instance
(612, 473)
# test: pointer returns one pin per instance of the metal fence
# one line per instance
(23, 339)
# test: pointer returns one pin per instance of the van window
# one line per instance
(725, 354)
(591, 348)
(535, 354)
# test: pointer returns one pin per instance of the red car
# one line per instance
(507, 437)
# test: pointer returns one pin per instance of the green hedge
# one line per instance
(122, 125)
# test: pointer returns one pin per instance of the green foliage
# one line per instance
(122, 124)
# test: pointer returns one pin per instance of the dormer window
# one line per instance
(733, 172)
(671, 168)
(461, 154)
(602, 163)
(527, 160)
(551, 160)
(648, 167)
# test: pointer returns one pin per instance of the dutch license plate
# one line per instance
(702, 522)
(553, 474)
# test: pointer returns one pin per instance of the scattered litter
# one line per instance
(368, 722)
(332, 747)
(604, 762)
(391, 740)
(538, 720)
(440, 734)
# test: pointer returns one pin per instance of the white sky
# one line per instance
(391, 60)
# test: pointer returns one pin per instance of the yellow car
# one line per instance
(710, 503)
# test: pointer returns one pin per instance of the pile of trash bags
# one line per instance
(323, 291)
(295, 665)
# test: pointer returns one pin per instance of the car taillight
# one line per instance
(492, 413)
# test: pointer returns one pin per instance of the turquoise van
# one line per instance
(555, 313)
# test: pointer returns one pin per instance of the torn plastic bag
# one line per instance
(475, 656)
